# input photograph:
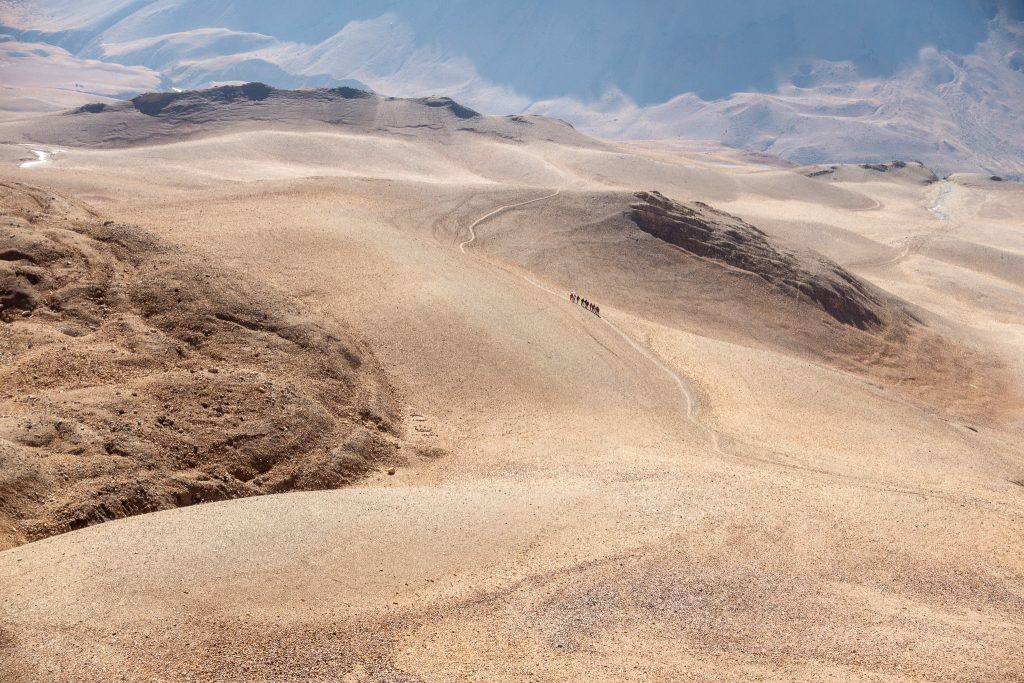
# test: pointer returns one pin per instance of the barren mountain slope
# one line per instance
(168, 116)
(914, 171)
(706, 271)
(938, 80)
(137, 378)
(715, 235)
(715, 479)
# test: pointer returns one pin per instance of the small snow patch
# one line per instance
(41, 159)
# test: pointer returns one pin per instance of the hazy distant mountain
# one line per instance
(952, 111)
(813, 80)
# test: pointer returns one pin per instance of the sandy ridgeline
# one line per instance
(789, 448)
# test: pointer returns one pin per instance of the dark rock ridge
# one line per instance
(913, 169)
(154, 103)
(703, 231)
(162, 117)
(451, 105)
(157, 103)
(898, 165)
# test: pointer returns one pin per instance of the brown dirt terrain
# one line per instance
(714, 480)
(712, 273)
(138, 379)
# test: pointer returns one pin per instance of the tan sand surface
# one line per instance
(712, 481)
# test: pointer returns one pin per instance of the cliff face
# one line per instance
(703, 231)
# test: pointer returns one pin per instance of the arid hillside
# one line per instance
(138, 378)
(789, 447)
(712, 273)
(702, 231)
(168, 116)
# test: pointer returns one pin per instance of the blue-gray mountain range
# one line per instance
(809, 80)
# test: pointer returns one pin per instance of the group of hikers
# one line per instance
(589, 305)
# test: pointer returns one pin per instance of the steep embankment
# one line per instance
(137, 378)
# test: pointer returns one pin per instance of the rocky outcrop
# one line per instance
(135, 378)
(451, 105)
(912, 171)
(154, 103)
(703, 231)
(163, 117)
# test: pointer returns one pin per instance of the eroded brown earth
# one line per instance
(137, 378)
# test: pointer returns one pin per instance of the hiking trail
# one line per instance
(685, 389)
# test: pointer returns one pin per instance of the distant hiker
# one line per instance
(585, 303)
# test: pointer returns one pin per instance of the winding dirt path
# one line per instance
(501, 209)
(685, 389)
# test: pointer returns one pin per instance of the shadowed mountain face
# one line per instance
(708, 233)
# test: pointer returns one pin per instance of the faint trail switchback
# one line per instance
(685, 389)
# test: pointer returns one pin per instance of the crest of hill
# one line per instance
(712, 273)
(718, 236)
(914, 172)
(168, 116)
